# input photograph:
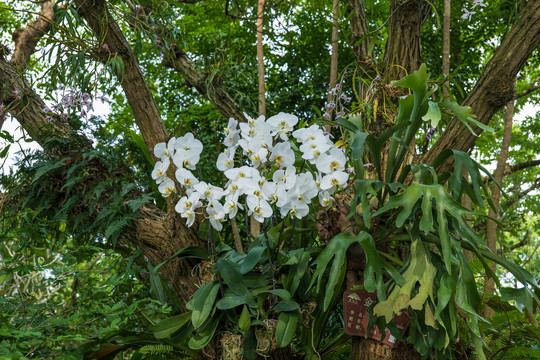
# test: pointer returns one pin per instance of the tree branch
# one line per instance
(136, 89)
(25, 105)
(210, 88)
(26, 38)
(532, 87)
(521, 166)
(515, 168)
(522, 194)
(494, 87)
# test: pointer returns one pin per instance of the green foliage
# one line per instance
(66, 211)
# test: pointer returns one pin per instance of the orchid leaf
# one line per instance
(286, 328)
(203, 303)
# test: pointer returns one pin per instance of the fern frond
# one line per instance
(156, 349)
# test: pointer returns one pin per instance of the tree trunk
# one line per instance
(333, 62)
(402, 53)
(446, 49)
(402, 56)
(491, 230)
(254, 225)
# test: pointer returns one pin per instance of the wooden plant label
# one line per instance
(355, 304)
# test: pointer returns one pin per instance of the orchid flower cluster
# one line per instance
(467, 14)
(72, 100)
(263, 179)
(339, 97)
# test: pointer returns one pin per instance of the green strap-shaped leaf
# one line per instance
(252, 259)
(167, 327)
(230, 302)
(244, 323)
(203, 337)
(464, 114)
(187, 252)
(235, 281)
(203, 303)
(417, 82)
(299, 265)
(361, 189)
(446, 207)
(523, 297)
(420, 270)
(286, 327)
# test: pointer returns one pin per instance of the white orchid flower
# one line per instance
(186, 207)
(282, 124)
(208, 191)
(258, 207)
(312, 149)
(310, 133)
(232, 134)
(287, 177)
(335, 160)
(303, 191)
(160, 170)
(166, 188)
(295, 208)
(258, 157)
(216, 214)
(231, 205)
(186, 178)
(225, 160)
(164, 151)
(242, 172)
(188, 143)
(231, 126)
(192, 202)
(283, 155)
(186, 159)
(333, 179)
(233, 189)
(250, 186)
(325, 199)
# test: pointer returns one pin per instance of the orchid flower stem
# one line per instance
(279, 239)
(214, 258)
(269, 249)
(292, 233)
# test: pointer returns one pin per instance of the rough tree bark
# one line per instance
(401, 56)
(446, 48)
(491, 229)
(402, 53)
(333, 60)
(254, 225)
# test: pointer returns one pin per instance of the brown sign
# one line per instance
(355, 304)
